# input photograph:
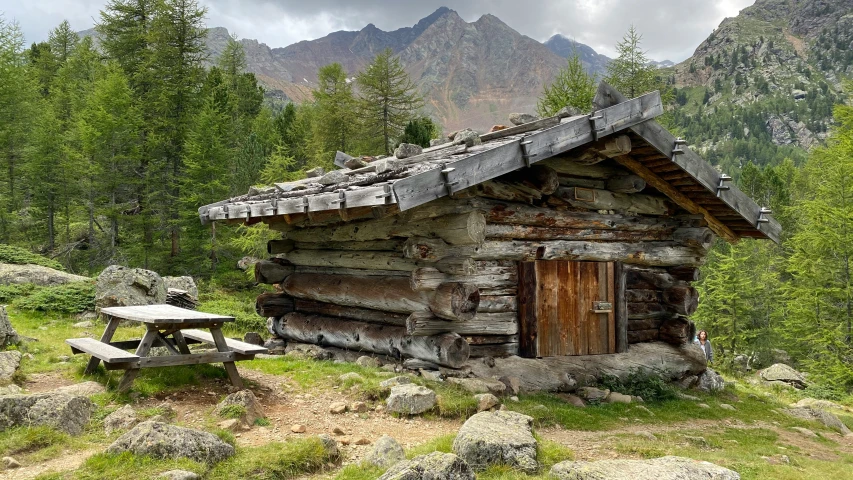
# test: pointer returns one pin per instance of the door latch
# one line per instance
(602, 307)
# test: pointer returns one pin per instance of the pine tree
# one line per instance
(573, 87)
(630, 72)
(63, 40)
(389, 100)
(334, 117)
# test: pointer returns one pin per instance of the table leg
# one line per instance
(142, 351)
(168, 346)
(219, 339)
(112, 325)
(180, 342)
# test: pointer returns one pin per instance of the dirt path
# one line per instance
(64, 463)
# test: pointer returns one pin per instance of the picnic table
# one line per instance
(162, 322)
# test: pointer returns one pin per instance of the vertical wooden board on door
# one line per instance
(546, 309)
(527, 309)
(565, 308)
(602, 320)
(580, 309)
(611, 298)
(620, 308)
(589, 285)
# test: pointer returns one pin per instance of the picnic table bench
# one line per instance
(162, 322)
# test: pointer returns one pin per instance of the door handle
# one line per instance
(602, 307)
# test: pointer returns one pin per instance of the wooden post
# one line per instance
(621, 309)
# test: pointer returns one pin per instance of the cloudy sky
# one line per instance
(671, 28)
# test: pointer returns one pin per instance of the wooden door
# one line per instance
(567, 308)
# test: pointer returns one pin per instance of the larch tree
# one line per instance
(334, 119)
(631, 72)
(388, 100)
(573, 87)
(63, 40)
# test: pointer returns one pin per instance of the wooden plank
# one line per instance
(620, 308)
(548, 325)
(141, 351)
(370, 196)
(235, 345)
(498, 351)
(565, 313)
(611, 317)
(484, 166)
(163, 314)
(490, 339)
(109, 331)
(223, 346)
(527, 308)
(100, 350)
(519, 129)
(324, 201)
(579, 311)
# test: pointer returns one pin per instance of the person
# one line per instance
(705, 345)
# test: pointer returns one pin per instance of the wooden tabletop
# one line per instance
(163, 314)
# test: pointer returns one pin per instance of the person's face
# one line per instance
(703, 336)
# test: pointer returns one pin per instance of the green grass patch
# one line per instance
(636, 383)
(27, 440)
(73, 297)
(274, 461)
(21, 256)
(128, 465)
(232, 411)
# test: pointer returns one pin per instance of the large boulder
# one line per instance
(779, 373)
(663, 468)
(185, 283)
(119, 286)
(410, 399)
(9, 363)
(435, 466)
(818, 404)
(828, 419)
(83, 389)
(36, 275)
(479, 385)
(122, 419)
(710, 381)
(244, 400)
(497, 438)
(161, 440)
(8, 335)
(386, 452)
(62, 412)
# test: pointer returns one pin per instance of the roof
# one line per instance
(663, 161)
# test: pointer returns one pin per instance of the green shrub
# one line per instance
(69, 298)
(11, 292)
(824, 392)
(232, 411)
(650, 387)
(21, 256)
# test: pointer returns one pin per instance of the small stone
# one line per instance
(366, 361)
(592, 394)
(63, 358)
(354, 163)
(11, 389)
(11, 463)
(160, 440)
(685, 396)
(616, 397)
(84, 324)
(431, 375)
(178, 475)
(406, 150)
(379, 408)
(486, 401)
(522, 118)
(298, 429)
(338, 408)
(345, 441)
(330, 446)
(573, 400)
(647, 435)
(386, 452)
(393, 382)
(122, 419)
(696, 440)
(358, 407)
(361, 441)
(315, 172)
(514, 398)
(710, 381)
(232, 425)
(245, 399)
(726, 406)
(410, 399)
(480, 385)
(276, 346)
(351, 377)
(338, 431)
(703, 405)
(254, 338)
(805, 431)
(497, 128)
(467, 137)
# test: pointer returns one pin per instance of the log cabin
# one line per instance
(567, 236)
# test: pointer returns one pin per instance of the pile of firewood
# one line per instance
(181, 298)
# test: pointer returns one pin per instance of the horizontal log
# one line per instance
(420, 324)
(426, 278)
(273, 271)
(644, 324)
(498, 292)
(496, 351)
(447, 349)
(352, 271)
(563, 164)
(640, 336)
(696, 237)
(646, 310)
(642, 296)
(538, 177)
(683, 300)
(458, 229)
(372, 245)
(685, 274)
(510, 192)
(595, 199)
(351, 313)
(392, 294)
(643, 253)
(625, 184)
(525, 232)
(274, 247)
(490, 339)
(582, 182)
(497, 303)
(676, 331)
(601, 150)
(354, 260)
(648, 278)
(273, 304)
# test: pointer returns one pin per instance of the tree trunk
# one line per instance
(422, 323)
(272, 304)
(351, 313)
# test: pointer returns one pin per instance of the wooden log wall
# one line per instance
(659, 301)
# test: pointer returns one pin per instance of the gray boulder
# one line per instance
(185, 283)
(410, 399)
(276, 346)
(828, 419)
(437, 141)
(161, 440)
(395, 381)
(119, 286)
(664, 468)
(480, 385)
(710, 381)
(62, 412)
(254, 338)
(9, 363)
(36, 275)
(781, 373)
(386, 452)
(497, 438)
(467, 137)
(406, 150)
(246, 400)
(592, 394)
(740, 363)
(122, 419)
(522, 118)
(330, 446)
(179, 475)
(309, 351)
(435, 466)
(83, 389)
(11, 389)
(247, 262)
(8, 335)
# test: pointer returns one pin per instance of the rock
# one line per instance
(11, 389)
(361, 441)
(84, 324)
(351, 377)
(497, 128)
(366, 361)
(122, 419)
(353, 163)
(434, 466)
(8, 335)
(333, 177)
(798, 94)
(432, 375)
(513, 384)
(358, 407)
(703, 405)
(63, 412)
(437, 141)
(664, 468)
(572, 400)
(119, 286)
(330, 446)
(710, 381)
(522, 118)
(37, 275)
(781, 356)
(86, 389)
(685, 396)
(298, 429)
(245, 399)
(497, 438)
(337, 408)
(645, 410)
(479, 385)
(315, 172)
(309, 351)
(647, 435)
(10, 463)
(740, 363)
(726, 406)
(161, 440)
(826, 418)
(817, 404)
(592, 394)
(568, 111)
(63, 358)
(231, 425)
(395, 381)
(254, 338)
(386, 452)
(406, 150)
(9, 363)
(616, 397)
(486, 401)
(276, 346)
(410, 399)
(779, 372)
(467, 137)
(247, 262)
(338, 431)
(805, 431)
(179, 475)
(185, 283)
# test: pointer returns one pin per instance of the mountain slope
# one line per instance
(593, 61)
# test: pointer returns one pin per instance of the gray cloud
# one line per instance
(671, 28)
